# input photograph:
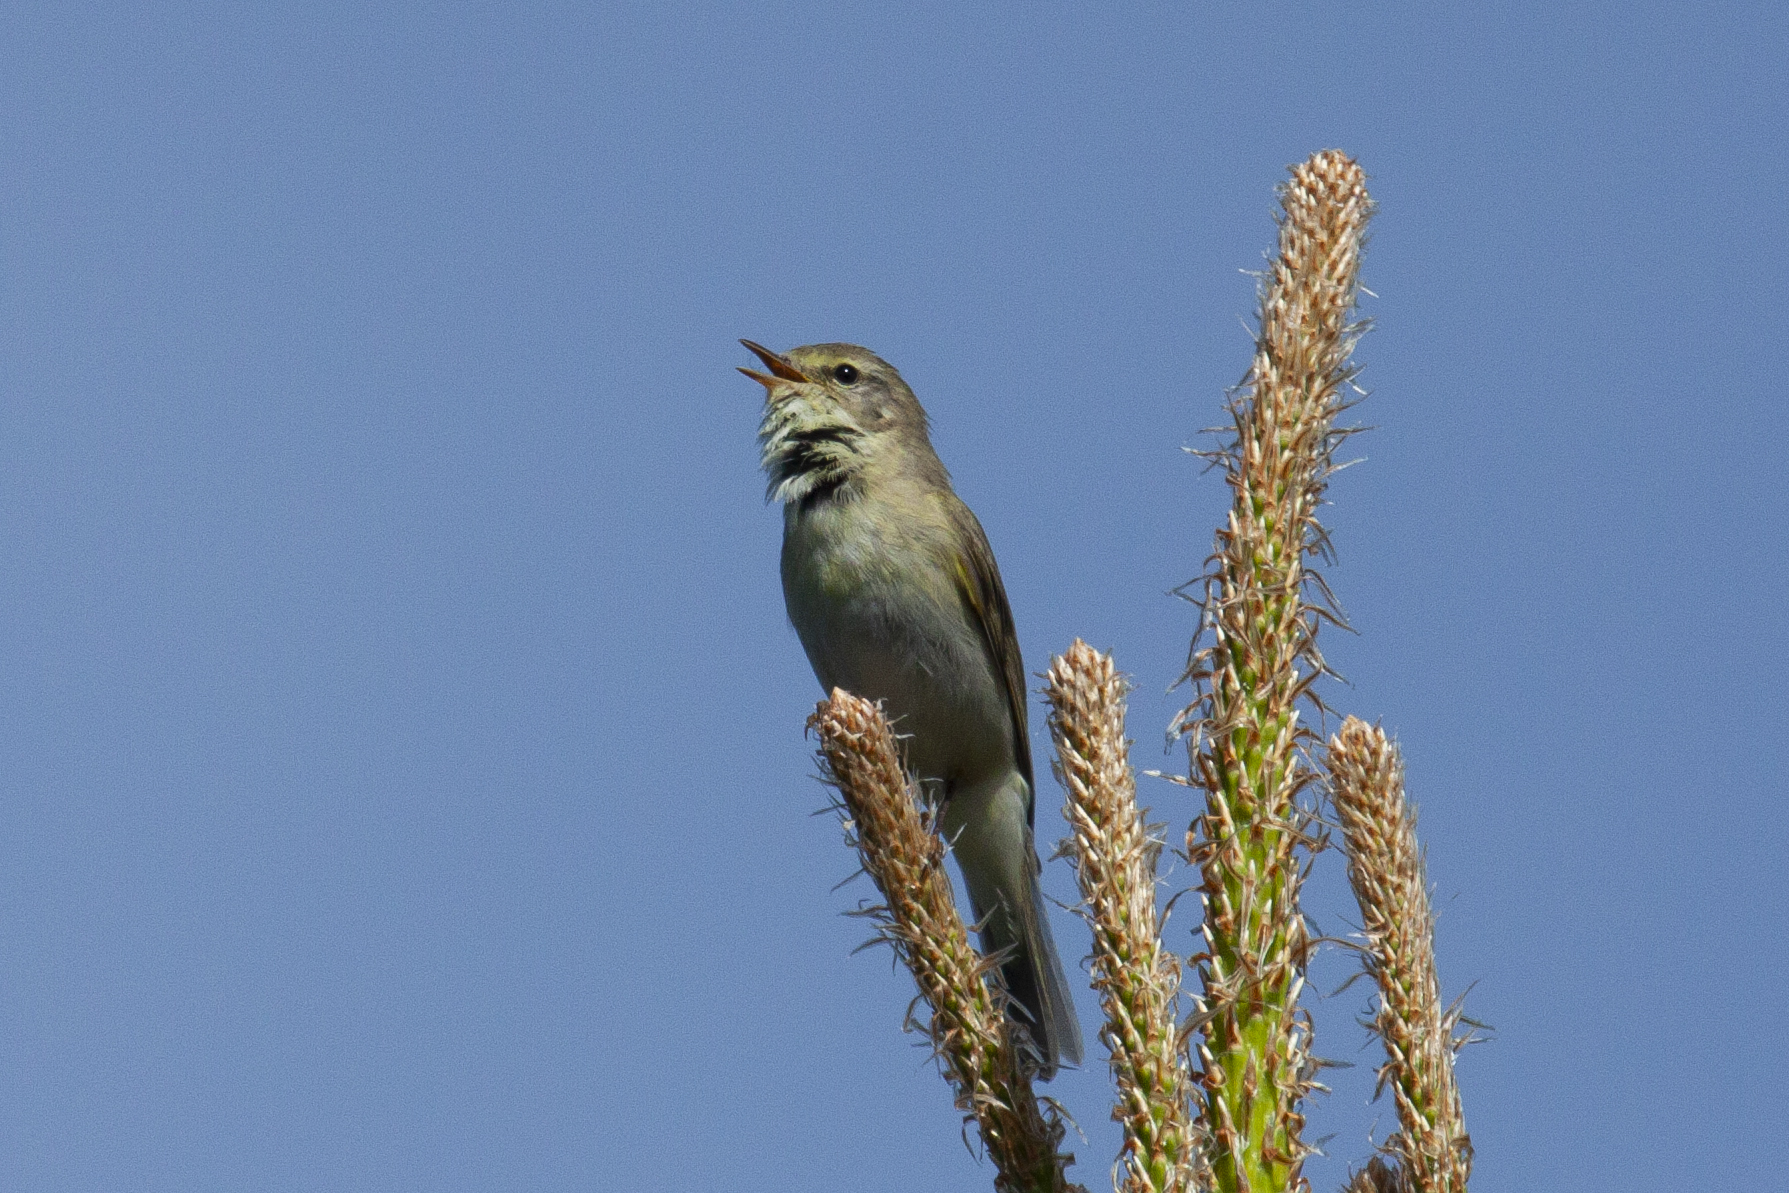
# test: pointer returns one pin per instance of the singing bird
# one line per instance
(892, 588)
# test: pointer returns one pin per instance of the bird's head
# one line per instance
(832, 414)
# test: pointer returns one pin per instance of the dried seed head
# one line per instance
(1385, 868)
(1137, 979)
(897, 840)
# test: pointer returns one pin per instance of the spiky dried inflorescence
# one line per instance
(1138, 980)
(897, 840)
(1262, 606)
(1385, 867)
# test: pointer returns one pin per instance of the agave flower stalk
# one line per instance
(896, 837)
(1252, 668)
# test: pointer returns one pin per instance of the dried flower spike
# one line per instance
(1385, 867)
(1137, 979)
(897, 840)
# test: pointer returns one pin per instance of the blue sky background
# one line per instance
(402, 784)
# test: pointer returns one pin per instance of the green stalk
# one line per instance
(1246, 741)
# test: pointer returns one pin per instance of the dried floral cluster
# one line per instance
(1138, 980)
(897, 839)
(1385, 867)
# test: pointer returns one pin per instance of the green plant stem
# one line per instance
(1247, 744)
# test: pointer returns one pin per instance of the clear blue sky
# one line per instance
(400, 734)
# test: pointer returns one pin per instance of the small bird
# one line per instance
(892, 588)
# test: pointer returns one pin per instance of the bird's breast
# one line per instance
(878, 611)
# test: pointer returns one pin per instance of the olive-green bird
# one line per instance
(892, 587)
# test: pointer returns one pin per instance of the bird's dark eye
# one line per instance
(847, 374)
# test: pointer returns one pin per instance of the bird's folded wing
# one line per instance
(978, 582)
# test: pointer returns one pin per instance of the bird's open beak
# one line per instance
(777, 365)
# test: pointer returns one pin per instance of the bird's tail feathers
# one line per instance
(988, 827)
(1034, 979)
